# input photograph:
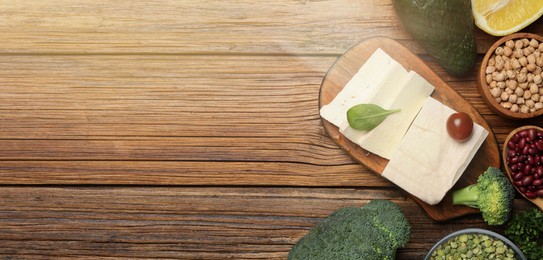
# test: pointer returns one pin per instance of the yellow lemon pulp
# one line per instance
(502, 17)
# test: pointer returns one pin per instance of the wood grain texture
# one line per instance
(208, 173)
(163, 26)
(75, 110)
(206, 114)
(187, 223)
(95, 96)
(87, 123)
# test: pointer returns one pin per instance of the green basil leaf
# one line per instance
(367, 116)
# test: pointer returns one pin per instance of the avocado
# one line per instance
(444, 28)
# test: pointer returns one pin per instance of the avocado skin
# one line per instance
(444, 28)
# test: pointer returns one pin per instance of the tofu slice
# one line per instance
(409, 95)
(364, 86)
(428, 162)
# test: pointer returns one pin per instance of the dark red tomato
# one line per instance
(460, 126)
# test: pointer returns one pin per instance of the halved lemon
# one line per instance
(502, 17)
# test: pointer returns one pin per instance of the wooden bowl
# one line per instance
(484, 88)
(537, 201)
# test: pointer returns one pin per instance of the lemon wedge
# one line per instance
(502, 17)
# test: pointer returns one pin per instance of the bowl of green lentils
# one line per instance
(474, 243)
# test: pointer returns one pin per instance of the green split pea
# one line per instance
(473, 246)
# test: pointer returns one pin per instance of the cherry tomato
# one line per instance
(460, 126)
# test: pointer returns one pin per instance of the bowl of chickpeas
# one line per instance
(511, 76)
(474, 243)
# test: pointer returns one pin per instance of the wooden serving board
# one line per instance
(344, 69)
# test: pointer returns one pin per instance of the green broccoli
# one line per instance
(374, 231)
(493, 195)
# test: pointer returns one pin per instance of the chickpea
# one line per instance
(518, 44)
(537, 70)
(530, 77)
(505, 96)
(499, 51)
(496, 92)
(527, 51)
(527, 95)
(535, 97)
(531, 59)
(533, 88)
(523, 61)
(507, 65)
(534, 43)
(510, 44)
(514, 108)
(513, 98)
(499, 63)
(493, 84)
(515, 64)
(538, 105)
(510, 74)
(490, 69)
(507, 105)
(530, 103)
(521, 101)
(507, 51)
(525, 42)
(508, 84)
(518, 53)
(491, 61)
(488, 78)
(519, 92)
(524, 109)
(500, 77)
(531, 67)
(521, 78)
(513, 84)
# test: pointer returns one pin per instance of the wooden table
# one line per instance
(187, 129)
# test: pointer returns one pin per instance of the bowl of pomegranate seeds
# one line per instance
(523, 160)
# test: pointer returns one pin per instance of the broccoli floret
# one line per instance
(374, 231)
(493, 195)
(393, 225)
